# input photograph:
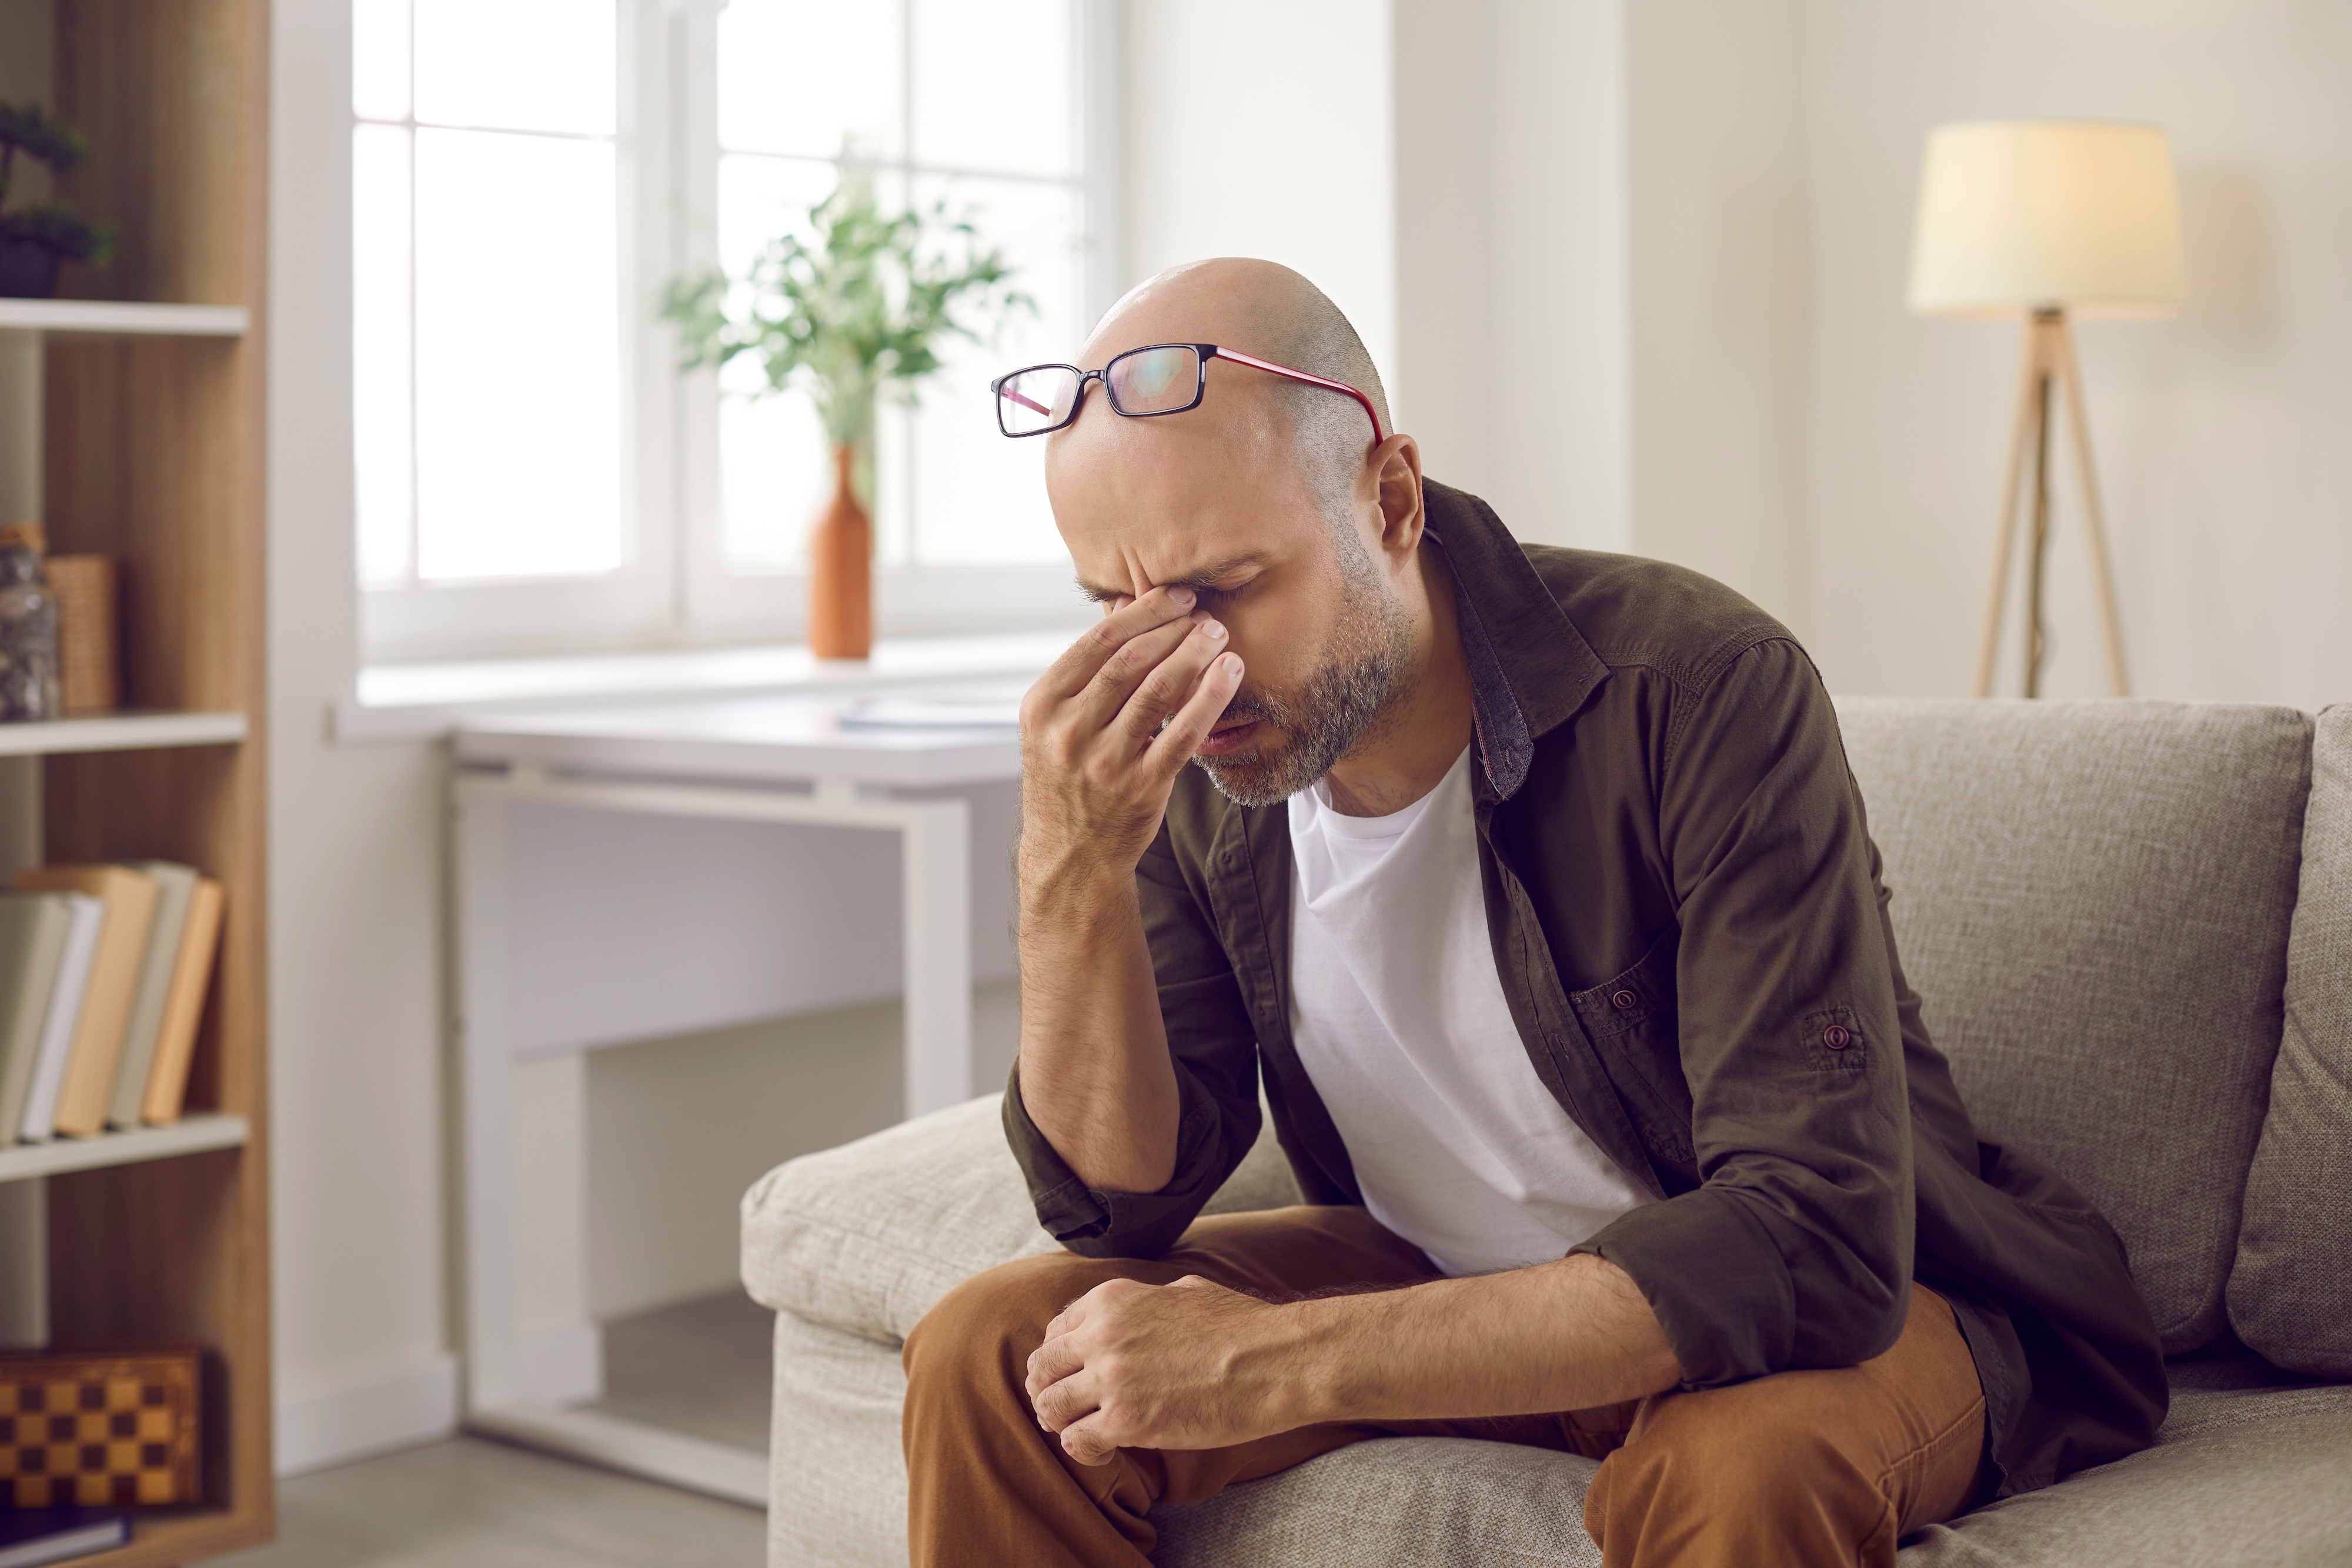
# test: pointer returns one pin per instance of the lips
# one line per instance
(1229, 736)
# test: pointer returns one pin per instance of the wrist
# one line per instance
(1071, 882)
(1327, 1375)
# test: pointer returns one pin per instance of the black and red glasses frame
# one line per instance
(1033, 396)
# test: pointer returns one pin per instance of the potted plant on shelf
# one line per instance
(35, 239)
(853, 309)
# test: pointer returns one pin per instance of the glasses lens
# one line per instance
(1154, 381)
(1034, 400)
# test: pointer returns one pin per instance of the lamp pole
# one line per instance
(2049, 367)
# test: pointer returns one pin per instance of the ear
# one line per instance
(1394, 466)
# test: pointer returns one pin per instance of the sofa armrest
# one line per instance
(867, 1236)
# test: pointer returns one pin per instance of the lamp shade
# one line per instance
(2018, 216)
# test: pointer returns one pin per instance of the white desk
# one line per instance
(780, 759)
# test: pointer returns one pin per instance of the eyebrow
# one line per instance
(1199, 580)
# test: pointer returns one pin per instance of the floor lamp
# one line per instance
(2049, 220)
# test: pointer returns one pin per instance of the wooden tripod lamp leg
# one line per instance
(2078, 424)
(2005, 531)
(2037, 558)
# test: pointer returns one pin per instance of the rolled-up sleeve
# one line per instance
(1795, 1249)
(1213, 1045)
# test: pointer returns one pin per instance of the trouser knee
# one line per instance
(1693, 1454)
(1709, 1481)
(986, 1327)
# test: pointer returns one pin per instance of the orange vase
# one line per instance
(841, 569)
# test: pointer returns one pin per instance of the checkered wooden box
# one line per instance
(100, 1430)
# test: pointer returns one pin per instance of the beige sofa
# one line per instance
(2132, 923)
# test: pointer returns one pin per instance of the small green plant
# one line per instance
(858, 306)
(26, 128)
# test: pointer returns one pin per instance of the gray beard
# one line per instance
(1338, 705)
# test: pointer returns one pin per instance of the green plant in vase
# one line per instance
(35, 239)
(850, 310)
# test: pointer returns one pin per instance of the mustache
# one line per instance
(1258, 707)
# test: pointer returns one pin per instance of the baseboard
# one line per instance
(373, 1416)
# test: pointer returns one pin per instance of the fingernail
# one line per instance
(1181, 598)
(1230, 664)
(1214, 630)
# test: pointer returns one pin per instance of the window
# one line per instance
(531, 472)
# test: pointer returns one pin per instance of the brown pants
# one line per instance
(1801, 1467)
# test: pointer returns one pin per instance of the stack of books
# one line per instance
(103, 971)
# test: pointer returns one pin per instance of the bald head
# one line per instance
(1270, 501)
(1263, 308)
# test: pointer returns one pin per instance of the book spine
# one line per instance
(174, 887)
(106, 1011)
(175, 1043)
(64, 1019)
(36, 982)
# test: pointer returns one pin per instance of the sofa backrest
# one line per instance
(2093, 900)
(2291, 1292)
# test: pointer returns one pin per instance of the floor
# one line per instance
(700, 1367)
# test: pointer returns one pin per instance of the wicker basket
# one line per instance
(89, 590)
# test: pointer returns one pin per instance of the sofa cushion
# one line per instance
(2093, 899)
(2244, 1481)
(867, 1236)
(2291, 1293)
(1394, 1502)
(837, 1473)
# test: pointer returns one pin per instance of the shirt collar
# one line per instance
(1531, 668)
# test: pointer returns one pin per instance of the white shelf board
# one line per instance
(121, 732)
(189, 1135)
(125, 316)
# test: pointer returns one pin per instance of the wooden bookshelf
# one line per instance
(151, 425)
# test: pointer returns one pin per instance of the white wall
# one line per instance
(360, 1270)
(2221, 436)
(1715, 160)
(1257, 130)
(1600, 264)
(1513, 252)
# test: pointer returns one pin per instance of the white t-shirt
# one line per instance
(1400, 1019)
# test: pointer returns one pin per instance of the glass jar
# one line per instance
(28, 628)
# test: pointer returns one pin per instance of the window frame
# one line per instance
(674, 590)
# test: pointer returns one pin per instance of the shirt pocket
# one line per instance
(1631, 1022)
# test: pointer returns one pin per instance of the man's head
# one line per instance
(1269, 500)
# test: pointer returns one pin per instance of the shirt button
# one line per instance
(1836, 1038)
(1622, 1001)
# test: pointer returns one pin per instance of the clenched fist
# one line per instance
(1187, 1365)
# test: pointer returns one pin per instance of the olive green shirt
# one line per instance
(1690, 929)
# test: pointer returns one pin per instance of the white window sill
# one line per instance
(427, 701)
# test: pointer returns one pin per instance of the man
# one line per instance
(1532, 885)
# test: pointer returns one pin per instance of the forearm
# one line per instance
(1096, 1076)
(1567, 1335)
